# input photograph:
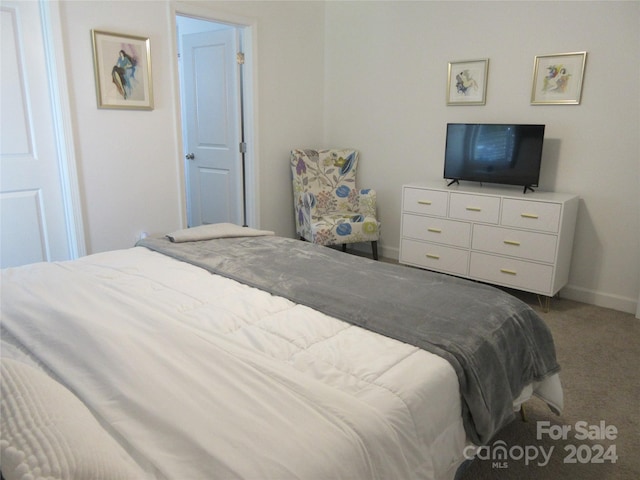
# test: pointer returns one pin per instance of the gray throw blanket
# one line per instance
(496, 343)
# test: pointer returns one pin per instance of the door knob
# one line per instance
(190, 156)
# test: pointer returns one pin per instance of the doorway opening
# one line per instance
(216, 97)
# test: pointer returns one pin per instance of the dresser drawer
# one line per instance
(529, 276)
(541, 216)
(429, 202)
(516, 243)
(436, 229)
(434, 257)
(477, 208)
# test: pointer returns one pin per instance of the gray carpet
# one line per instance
(599, 352)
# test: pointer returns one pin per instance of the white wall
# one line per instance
(373, 75)
(129, 162)
(127, 165)
(385, 88)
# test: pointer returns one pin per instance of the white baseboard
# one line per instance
(390, 252)
(606, 300)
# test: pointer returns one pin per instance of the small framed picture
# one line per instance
(557, 78)
(122, 65)
(467, 83)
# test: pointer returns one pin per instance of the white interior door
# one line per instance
(33, 225)
(213, 166)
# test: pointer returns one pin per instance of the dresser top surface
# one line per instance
(503, 191)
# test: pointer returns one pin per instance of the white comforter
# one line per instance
(200, 377)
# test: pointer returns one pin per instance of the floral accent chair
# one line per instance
(329, 209)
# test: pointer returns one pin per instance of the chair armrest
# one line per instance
(305, 212)
(310, 206)
(345, 199)
(367, 201)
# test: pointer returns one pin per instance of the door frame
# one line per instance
(248, 28)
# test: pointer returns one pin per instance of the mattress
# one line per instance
(496, 343)
(193, 375)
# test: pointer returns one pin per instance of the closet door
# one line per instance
(33, 217)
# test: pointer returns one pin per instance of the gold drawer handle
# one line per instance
(508, 271)
(474, 209)
(512, 242)
(433, 256)
(424, 202)
(529, 215)
(434, 230)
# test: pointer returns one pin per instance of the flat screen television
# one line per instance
(494, 153)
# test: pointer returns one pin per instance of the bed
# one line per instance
(225, 352)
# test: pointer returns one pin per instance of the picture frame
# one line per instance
(467, 82)
(558, 78)
(122, 65)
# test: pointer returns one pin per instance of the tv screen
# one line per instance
(494, 153)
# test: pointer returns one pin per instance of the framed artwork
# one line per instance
(557, 79)
(467, 84)
(122, 65)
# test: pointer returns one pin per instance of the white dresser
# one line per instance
(496, 235)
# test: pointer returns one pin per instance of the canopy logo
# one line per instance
(500, 454)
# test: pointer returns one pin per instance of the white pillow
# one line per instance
(46, 432)
(215, 230)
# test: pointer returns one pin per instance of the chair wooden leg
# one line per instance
(374, 248)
